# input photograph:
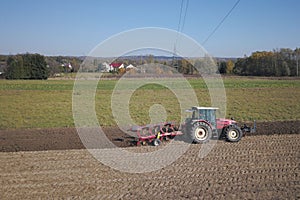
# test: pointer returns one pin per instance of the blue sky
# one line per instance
(75, 27)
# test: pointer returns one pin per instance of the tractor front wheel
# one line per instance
(200, 132)
(233, 134)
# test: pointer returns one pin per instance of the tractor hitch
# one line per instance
(248, 129)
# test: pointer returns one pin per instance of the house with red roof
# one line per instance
(117, 65)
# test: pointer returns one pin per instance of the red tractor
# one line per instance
(201, 126)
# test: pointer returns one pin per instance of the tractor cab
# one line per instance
(207, 114)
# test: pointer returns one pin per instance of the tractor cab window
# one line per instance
(208, 115)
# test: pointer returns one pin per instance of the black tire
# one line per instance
(200, 132)
(167, 129)
(233, 134)
(156, 142)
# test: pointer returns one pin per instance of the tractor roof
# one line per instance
(204, 108)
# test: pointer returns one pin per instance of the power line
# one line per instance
(186, 7)
(221, 22)
(180, 16)
(181, 21)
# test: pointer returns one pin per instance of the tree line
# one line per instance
(36, 66)
(26, 66)
(282, 62)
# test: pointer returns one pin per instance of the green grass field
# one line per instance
(41, 104)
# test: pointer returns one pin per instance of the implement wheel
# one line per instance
(233, 134)
(200, 132)
(156, 142)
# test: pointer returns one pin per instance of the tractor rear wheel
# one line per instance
(200, 132)
(233, 134)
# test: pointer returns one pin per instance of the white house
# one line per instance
(131, 67)
(105, 67)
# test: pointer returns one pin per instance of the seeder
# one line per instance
(201, 126)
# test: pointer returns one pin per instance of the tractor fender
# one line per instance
(204, 121)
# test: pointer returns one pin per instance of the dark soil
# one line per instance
(281, 127)
(67, 138)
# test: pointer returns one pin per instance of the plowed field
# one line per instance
(258, 167)
(52, 163)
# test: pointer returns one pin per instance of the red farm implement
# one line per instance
(156, 133)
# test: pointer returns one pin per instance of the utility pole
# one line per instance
(297, 61)
(297, 65)
(174, 54)
(175, 61)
